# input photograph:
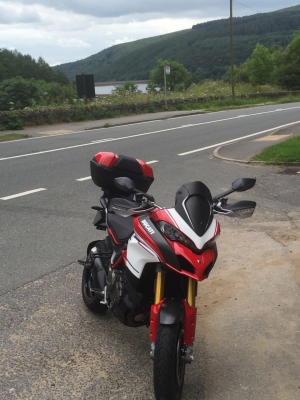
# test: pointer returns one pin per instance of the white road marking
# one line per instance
(89, 177)
(235, 140)
(102, 140)
(84, 179)
(155, 120)
(22, 194)
(150, 133)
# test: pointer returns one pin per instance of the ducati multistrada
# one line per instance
(147, 268)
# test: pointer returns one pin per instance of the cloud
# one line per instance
(73, 43)
(108, 9)
(10, 13)
(69, 30)
(125, 39)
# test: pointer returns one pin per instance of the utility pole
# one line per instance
(231, 52)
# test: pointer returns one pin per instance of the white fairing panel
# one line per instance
(138, 254)
(188, 231)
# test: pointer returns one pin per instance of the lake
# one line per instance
(100, 90)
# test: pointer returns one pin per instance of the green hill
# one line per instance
(204, 49)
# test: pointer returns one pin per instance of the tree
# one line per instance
(17, 93)
(288, 72)
(260, 65)
(241, 74)
(179, 78)
(128, 86)
(13, 63)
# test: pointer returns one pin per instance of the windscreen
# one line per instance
(194, 205)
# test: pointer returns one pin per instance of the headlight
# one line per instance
(175, 235)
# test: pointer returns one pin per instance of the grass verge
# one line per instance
(284, 152)
(12, 136)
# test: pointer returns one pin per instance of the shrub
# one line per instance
(13, 121)
(17, 93)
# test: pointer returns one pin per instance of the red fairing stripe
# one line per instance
(199, 261)
(164, 215)
(217, 230)
(154, 320)
(147, 170)
(106, 158)
(121, 258)
(111, 233)
(189, 323)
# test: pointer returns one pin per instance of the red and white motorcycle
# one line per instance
(147, 268)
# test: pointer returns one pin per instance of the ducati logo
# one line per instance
(147, 227)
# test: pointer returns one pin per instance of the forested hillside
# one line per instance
(13, 63)
(204, 50)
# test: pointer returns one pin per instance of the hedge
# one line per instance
(17, 119)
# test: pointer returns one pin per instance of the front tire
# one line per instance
(169, 366)
(89, 297)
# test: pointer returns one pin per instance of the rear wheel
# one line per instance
(169, 366)
(89, 297)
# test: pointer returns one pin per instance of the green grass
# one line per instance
(12, 136)
(284, 152)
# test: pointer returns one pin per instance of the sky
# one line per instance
(62, 31)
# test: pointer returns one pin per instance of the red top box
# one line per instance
(105, 167)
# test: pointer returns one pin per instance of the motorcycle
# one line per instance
(147, 268)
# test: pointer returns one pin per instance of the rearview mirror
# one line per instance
(124, 183)
(243, 184)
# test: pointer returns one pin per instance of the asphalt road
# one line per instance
(248, 332)
(48, 229)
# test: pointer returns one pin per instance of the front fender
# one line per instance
(171, 312)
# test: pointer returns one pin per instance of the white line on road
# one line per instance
(235, 140)
(151, 162)
(22, 194)
(84, 179)
(147, 122)
(102, 140)
(146, 134)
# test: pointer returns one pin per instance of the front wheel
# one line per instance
(169, 365)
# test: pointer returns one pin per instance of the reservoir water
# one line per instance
(107, 89)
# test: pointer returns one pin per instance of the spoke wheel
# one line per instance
(89, 297)
(169, 366)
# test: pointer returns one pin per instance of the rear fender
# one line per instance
(90, 246)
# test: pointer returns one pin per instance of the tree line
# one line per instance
(271, 65)
(257, 24)
(25, 82)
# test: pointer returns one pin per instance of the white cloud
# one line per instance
(73, 43)
(69, 30)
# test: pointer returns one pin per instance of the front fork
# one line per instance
(189, 317)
